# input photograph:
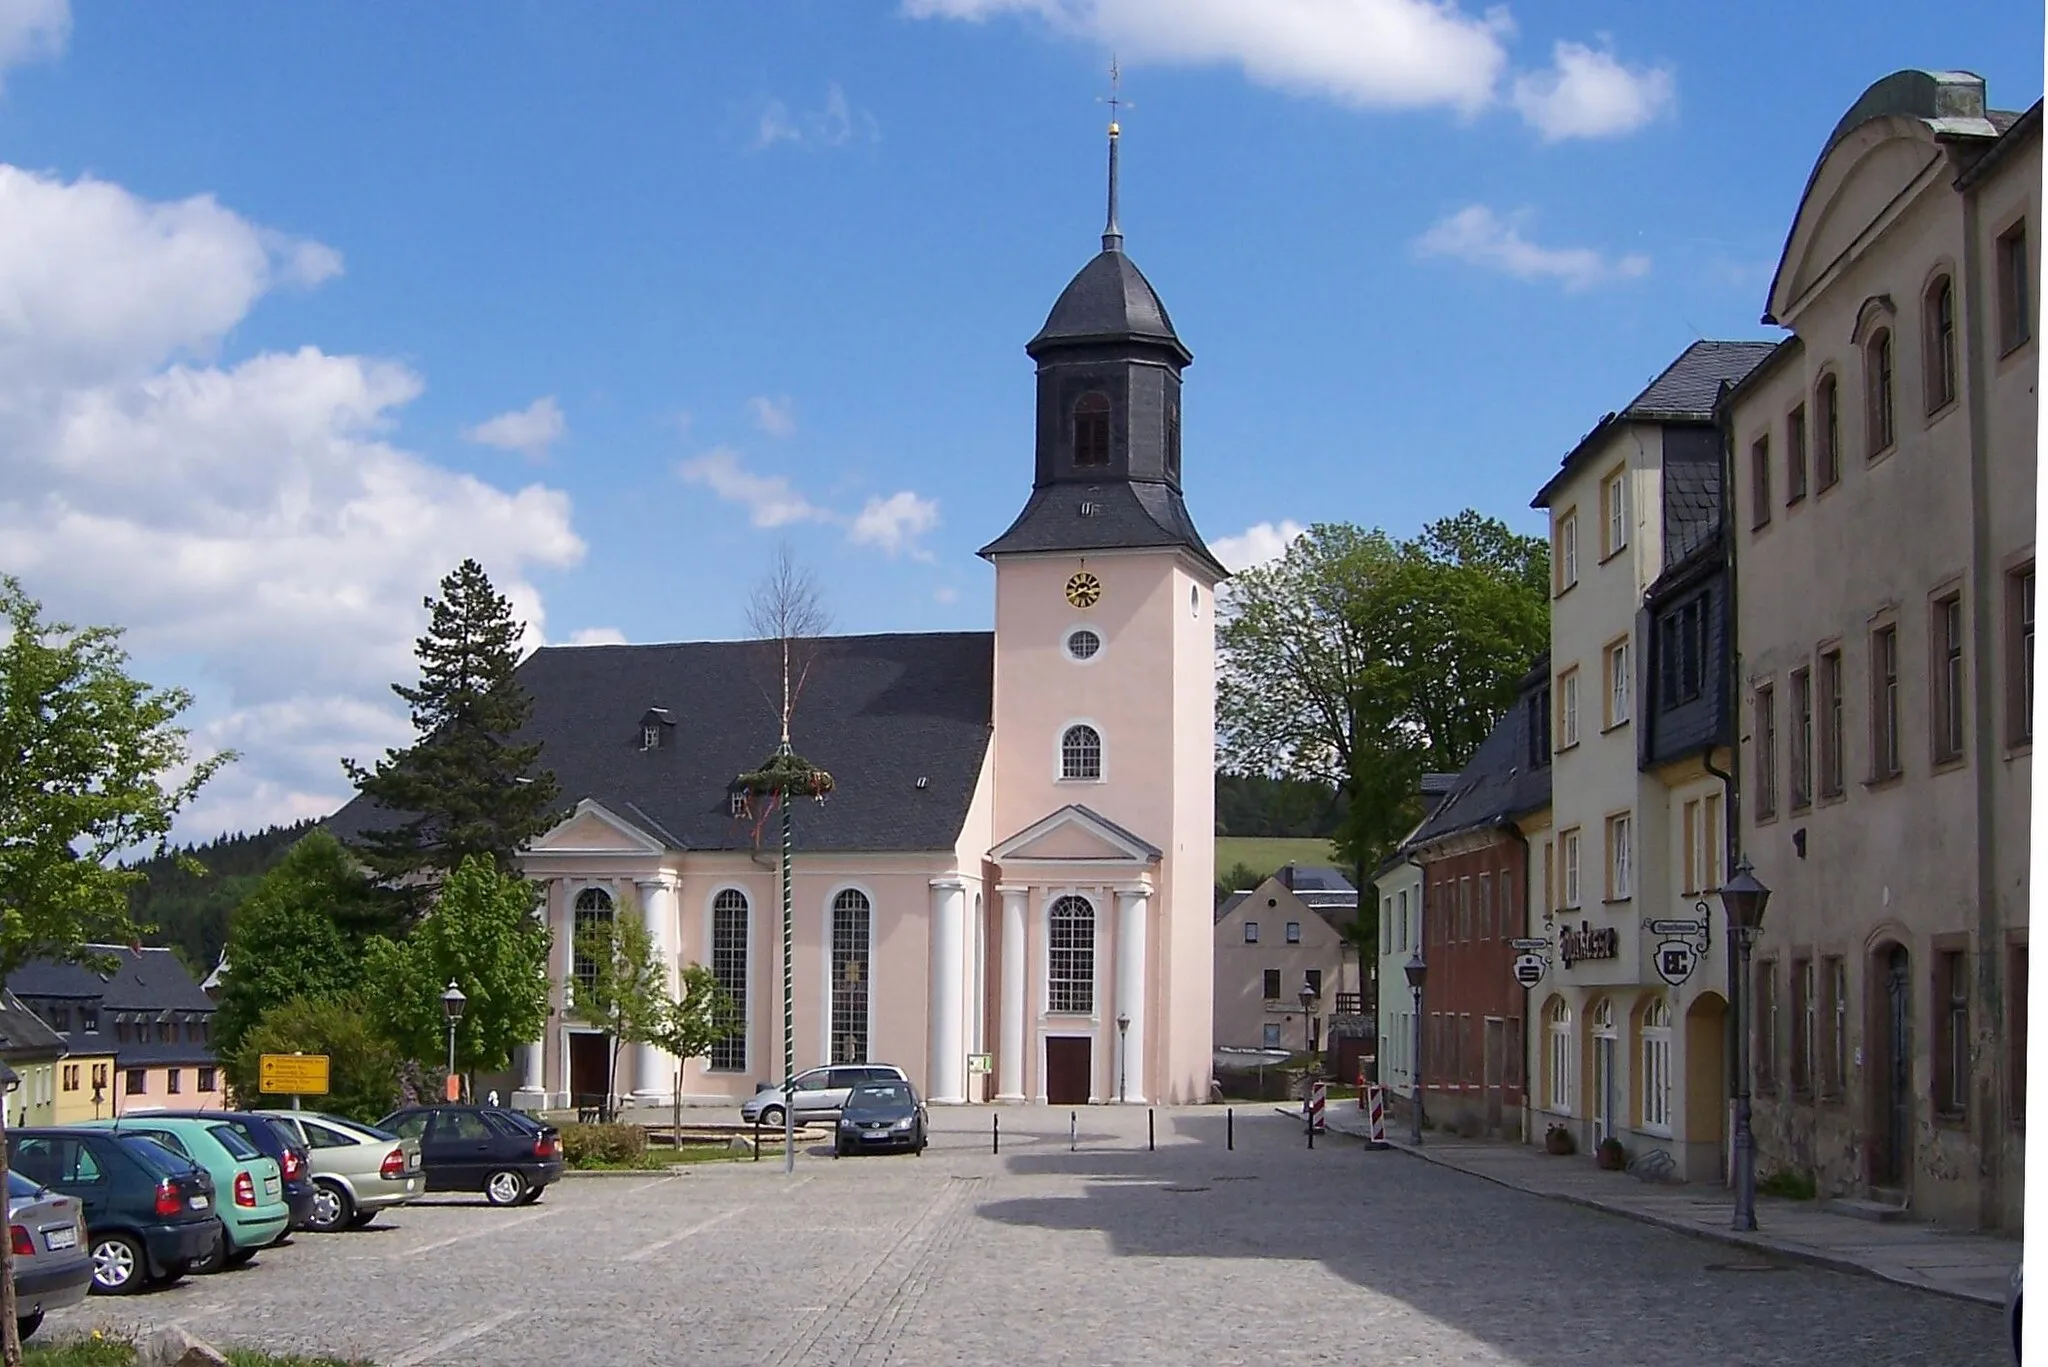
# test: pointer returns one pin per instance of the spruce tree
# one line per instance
(462, 788)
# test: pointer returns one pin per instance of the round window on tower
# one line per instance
(1083, 644)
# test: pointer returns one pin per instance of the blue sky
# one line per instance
(712, 275)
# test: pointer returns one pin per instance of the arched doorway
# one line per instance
(1704, 1125)
(1889, 1078)
(1601, 1041)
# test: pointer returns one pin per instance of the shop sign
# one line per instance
(1587, 943)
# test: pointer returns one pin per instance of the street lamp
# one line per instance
(1744, 897)
(1416, 970)
(1123, 1048)
(452, 1002)
(1309, 998)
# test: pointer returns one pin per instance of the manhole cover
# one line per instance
(1183, 1188)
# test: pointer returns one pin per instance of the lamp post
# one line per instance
(1309, 999)
(452, 1002)
(1416, 970)
(1744, 897)
(1123, 1051)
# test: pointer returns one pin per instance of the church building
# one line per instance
(1008, 893)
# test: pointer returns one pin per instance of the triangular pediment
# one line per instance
(1075, 835)
(593, 829)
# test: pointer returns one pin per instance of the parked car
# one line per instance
(358, 1170)
(271, 1139)
(509, 1157)
(882, 1115)
(52, 1264)
(254, 1215)
(149, 1214)
(820, 1092)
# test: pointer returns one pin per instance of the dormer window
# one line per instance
(650, 737)
(1091, 429)
(736, 803)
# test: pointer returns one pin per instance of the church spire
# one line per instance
(1112, 234)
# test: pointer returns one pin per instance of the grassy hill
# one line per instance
(1262, 855)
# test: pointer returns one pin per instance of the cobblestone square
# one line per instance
(1109, 1254)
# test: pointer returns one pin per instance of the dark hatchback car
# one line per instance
(149, 1214)
(879, 1116)
(509, 1157)
(273, 1141)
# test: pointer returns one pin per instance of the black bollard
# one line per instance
(1311, 1132)
(1073, 1130)
(995, 1134)
(1151, 1135)
(1229, 1127)
(757, 1139)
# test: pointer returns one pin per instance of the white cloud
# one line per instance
(32, 30)
(769, 499)
(1588, 94)
(776, 417)
(598, 636)
(892, 525)
(530, 430)
(252, 523)
(1480, 237)
(836, 124)
(946, 594)
(1257, 544)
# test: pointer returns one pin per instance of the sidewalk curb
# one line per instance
(1728, 1237)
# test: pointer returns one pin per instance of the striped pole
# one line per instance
(1376, 1115)
(1317, 1098)
(788, 999)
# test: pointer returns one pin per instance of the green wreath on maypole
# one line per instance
(787, 774)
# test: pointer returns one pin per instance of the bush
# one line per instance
(603, 1145)
(362, 1066)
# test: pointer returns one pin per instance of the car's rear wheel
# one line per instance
(505, 1187)
(771, 1117)
(117, 1265)
(361, 1219)
(240, 1256)
(216, 1260)
(26, 1326)
(332, 1208)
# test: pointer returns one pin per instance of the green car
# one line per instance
(249, 1188)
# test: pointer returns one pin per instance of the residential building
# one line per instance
(1617, 1050)
(35, 1052)
(1271, 942)
(1474, 874)
(140, 1036)
(1010, 877)
(1398, 883)
(1884, 558)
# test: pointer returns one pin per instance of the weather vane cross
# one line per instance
(1115, 99)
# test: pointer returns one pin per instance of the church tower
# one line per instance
(1105, 716)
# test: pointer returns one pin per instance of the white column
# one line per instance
(947, 1074)
(532, 1092)
(1130, 986)
(1010, 1040)
(654, 1070)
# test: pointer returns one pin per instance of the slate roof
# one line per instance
(1125, 514)
(1497, 786)
(1230, 904)
(1317, 878)
(24, 1035)
(1110, 300)
(148, 986)
(1684, 392)
(878, 713)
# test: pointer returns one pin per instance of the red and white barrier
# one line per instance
(1318, 1098)
(1374, 1098)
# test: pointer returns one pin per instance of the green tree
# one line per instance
(483, 936)
(362, 1065)
(692, 1020)
(87, 756)
(1363, 662)
(462, 788)
(617, 982)
(301, 934)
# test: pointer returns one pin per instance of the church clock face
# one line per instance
(1084, 590)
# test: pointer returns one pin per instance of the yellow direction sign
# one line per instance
(292, 1074)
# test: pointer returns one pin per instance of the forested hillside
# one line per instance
(189, 912)
(1249, 804)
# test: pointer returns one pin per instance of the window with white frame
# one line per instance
(1619, 690)
(852, 920)
(1614, 503)
(1070, 957)
(1251, 932)
(1568, 854)
(1657, 1066)
(1081, 753)
(1620, 832)
(1566, 555)
(593, 910)
(729, 967)
(1558, 1028)
(1568, 709)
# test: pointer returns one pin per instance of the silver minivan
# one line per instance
(820, 1092)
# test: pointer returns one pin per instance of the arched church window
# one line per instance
(1081, 753)
(851, 917)
(1070, 956)
(729, 932)
(1091, 428)
(1172, 439)
(593, 909)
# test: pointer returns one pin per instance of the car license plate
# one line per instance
(200, 1203)
(412, 1164)
(270, 1186)
(60, 1236)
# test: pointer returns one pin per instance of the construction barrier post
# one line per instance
(1375, 1097)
